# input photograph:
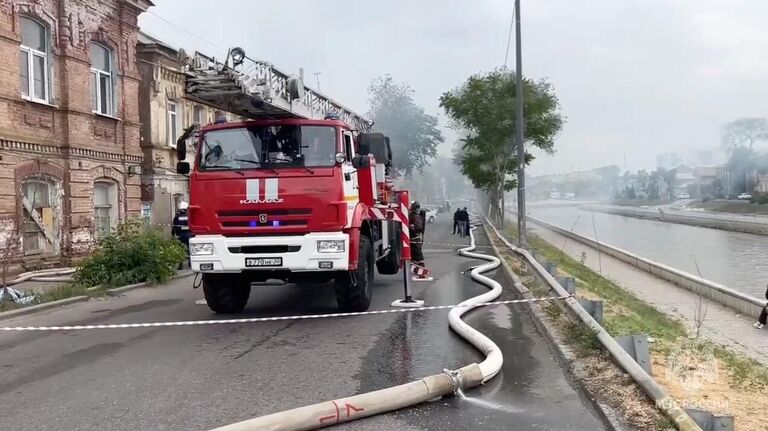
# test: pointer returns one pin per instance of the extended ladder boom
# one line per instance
(255, 89)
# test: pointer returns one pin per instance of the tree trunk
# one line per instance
(502, 210)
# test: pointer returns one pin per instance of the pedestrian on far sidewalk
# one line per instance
(761, 321)
(456, 220)
(466, 221)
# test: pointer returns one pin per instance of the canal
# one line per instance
(737, 260)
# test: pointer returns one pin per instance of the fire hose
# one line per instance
(449, 382)
(55, 274)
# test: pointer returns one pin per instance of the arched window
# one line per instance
(104, 207)
(101, 79)
(33, 60)
(40, 224)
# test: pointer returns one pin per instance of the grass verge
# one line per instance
(624, 314)
(739, 388)
(63, 291)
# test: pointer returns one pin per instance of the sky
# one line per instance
(634, 78)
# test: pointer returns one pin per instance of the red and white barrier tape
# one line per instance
(264, 319)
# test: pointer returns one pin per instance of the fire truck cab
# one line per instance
(290, 199)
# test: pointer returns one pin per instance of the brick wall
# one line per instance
(62, 131)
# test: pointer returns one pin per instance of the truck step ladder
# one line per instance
(255, 89)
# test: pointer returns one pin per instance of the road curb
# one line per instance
(82, 298)
(610, 417)
(122, 289)
(42, 307)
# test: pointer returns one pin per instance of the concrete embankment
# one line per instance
(743, 303)
(744, 226)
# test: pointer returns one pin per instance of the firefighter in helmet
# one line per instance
(416, 227)
(180, 228)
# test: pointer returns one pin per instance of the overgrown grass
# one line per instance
(745, 372)
(581, 337)
(135, 252)
(624, 312)
(63, 291)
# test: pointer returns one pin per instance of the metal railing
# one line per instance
(256, 89)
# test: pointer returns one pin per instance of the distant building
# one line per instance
(667, 161)
(165, 112)
(684, 176)
(762, 184)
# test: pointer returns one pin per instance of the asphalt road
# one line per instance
(196, 378)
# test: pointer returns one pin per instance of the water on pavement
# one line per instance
(206, 376)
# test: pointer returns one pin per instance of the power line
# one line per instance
(187, 31)
(509, 38)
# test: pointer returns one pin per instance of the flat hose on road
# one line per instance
(385, 400)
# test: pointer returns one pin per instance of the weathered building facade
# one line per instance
(70, 157)
(165, 112)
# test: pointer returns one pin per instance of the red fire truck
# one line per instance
(284, 194)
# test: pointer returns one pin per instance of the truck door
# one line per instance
(351, 193)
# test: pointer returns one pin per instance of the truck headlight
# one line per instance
(201, 249)
(330, 246)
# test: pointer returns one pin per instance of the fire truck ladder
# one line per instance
(256, 89)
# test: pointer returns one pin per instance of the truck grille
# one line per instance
(276, 218)
(265, 249)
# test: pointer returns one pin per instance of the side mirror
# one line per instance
(376, 144)
(360, 161)
(181, 144)
(182, 168)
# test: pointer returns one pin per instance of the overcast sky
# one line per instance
(635, 78)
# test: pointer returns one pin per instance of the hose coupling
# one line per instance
(456, 379)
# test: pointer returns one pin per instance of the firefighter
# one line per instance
(180, 228)
(416, 227)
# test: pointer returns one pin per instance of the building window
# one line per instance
(39, 232)
(101, 79)
(173, 124)
(33, 60)
(104, 207)
(197, 115)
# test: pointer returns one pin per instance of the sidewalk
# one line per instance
(722, 325)
(37, 286)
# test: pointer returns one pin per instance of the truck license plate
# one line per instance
(255, 262)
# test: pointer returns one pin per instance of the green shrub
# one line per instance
(134, 253)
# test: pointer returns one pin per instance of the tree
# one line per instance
(742, 162)
(744, 132)
(485, 106)
(413, 134)
(609, 176)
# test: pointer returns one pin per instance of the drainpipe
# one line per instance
(427, 389)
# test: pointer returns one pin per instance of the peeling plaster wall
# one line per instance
(64, 132)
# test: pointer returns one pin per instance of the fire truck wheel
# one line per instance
(225, 293)
(390, 264)
(353, 288)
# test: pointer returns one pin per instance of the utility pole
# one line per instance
(317, 78)
(521, 229)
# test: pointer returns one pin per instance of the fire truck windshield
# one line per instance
(268, 147)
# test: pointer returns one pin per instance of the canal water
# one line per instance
(737, 260)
